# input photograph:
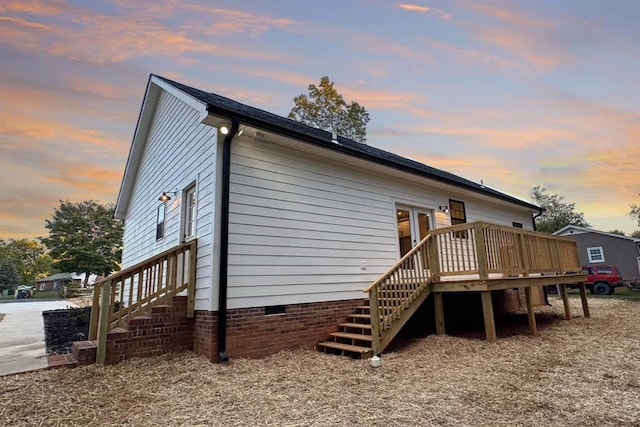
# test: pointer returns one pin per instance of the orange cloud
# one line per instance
(507, 16)
(424, 9)
(21, 22)
(472, 57)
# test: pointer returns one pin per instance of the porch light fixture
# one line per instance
(224, 130)
(165, 197)
(444, 209)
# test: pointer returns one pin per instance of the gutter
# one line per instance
(224, 242)
(318, 141)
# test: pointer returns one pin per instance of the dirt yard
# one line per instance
(584, 372)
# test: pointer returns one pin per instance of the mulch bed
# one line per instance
(63, 327)
(582, 372)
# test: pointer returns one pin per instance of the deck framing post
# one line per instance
(374, 311)
(531, 315)
(191, 286)
(103, 322)
(585, 303)
(565, 301)
(489, 321)
(481, 251)
(95, 313)
(438, 305)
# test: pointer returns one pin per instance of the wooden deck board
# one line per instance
(506, 283)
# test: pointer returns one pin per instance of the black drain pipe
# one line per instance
(224, 243)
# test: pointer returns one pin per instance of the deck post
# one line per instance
(530, 313)
(95, 312)
(374, 311)
(191, 286)
(565, 301)
(489, 321)
(434, 259)
(585, 303)
(481, 251)
(103, 322)
(439, 310)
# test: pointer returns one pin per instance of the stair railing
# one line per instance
(394, 292)
(470, 251)
(135, 290)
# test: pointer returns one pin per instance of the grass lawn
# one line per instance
(583, 372)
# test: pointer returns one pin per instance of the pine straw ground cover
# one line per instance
(584, 372)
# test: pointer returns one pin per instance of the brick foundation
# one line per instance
(253, 334)
(165, 329)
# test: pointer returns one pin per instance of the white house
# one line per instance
(291, 225)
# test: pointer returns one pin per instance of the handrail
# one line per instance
(475, 250)
(134, 290)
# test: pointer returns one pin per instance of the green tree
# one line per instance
(636, 234)
(9, 278)
(558, 213)
(29, 257)
(325, 108)
(619, 232)
(634, 211)
(84, 238)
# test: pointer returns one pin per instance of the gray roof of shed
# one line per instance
(225, 107)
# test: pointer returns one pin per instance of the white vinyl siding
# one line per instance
(306, 229)
(178, 150)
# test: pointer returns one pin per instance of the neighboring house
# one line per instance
(291, 224)
(58, 281)
(601, 248)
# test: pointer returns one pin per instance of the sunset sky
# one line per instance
(514, 93)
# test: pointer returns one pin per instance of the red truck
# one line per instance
(603, 279)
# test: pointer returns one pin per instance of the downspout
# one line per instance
(533, 219)
(224, 242)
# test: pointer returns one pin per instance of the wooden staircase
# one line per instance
(354, 337)
(463, 254)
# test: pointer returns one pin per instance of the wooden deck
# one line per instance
(474, 257)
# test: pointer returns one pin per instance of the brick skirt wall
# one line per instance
(252, 334)
(165, 329)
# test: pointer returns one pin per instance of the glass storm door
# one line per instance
(413, 226)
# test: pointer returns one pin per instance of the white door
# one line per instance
(413, 226)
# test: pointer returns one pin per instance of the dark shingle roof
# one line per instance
(219, 105)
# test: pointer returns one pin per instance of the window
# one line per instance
(160, 221)
(458, 216)
(596, 254)
(456, 209)
(190, 213)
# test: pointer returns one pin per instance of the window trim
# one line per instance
(464, 212)
(458, 234)
(160, 224)
(595, 259)
(191, 189)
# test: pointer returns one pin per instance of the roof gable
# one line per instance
(216, 105)
(567, 230)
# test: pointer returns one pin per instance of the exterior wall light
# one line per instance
(165, 197)
(224, 130)
(444, 209)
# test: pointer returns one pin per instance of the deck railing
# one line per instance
(135, 290)
(472, 251)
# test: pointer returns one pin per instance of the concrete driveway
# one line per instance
(22, 346)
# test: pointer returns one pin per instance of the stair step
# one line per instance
(360, 316)
(351, 336)
(356, 349)
(355, 325)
